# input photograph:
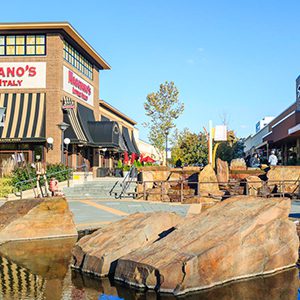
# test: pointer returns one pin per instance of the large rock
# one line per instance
(278, 174)
(36, 219)
(238, 164)
(208, 182)
(254, 185)
(222, 171)
(238, 238)
(97, 253)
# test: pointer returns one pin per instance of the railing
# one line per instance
(85, 169)
(19, 187)
(176, 190)
(125, 184)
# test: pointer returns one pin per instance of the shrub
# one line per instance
(6, 186)
(59, 171)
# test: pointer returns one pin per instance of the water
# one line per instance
(40, 270)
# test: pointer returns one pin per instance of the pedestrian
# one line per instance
(53, 186)
(273, 160)
(254, 161)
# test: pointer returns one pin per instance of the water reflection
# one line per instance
(280, 286)
(40, 270)
(34, 269)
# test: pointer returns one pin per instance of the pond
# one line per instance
(40, 270)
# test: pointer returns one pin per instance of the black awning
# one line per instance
(137, 151)
(24, 117)
(105, 134)
(128, 141)
(85, 116)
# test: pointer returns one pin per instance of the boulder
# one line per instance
(238, 238)
(238, 164)
(36, 219)
(277, 174)
(254, 185)
(208, 182)
(98, 253)
(222, 171)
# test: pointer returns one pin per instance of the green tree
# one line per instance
(190, 148)
(233, 148)
(163, 108)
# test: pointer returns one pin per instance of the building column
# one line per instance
(298, 149)
(285, 154)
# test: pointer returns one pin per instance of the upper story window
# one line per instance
(20, 45)
(77, 60)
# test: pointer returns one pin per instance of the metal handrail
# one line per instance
(125, 183)
(18, 186)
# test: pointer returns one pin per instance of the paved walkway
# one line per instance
(97, 213)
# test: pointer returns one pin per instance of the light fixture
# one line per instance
(63, 126)
(50, 141)
(67, 141)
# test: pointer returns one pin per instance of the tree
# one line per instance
(190, 148)
(233, 148)
(163, 108)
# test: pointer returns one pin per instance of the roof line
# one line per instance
(116, 111)
(67, 28)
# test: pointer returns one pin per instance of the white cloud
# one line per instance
(190, 61)
(200, 49)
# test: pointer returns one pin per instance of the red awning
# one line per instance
(147, 159)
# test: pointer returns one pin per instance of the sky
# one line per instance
(237, 59)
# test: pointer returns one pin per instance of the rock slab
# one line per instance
(290, 174)
(238, 238)
(97, 253)
(222, 171)
(36, 219)
(208, 182)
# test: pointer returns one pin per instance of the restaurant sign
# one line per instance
(22, 75)
(78, 87)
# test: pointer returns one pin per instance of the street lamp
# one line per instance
(63, 127)
(166, 134)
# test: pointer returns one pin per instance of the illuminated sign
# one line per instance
(23, 75)
(78, 87)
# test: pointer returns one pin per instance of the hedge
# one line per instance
(21, 174)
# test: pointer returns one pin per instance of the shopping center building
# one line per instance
(49, 99)
(281, 134)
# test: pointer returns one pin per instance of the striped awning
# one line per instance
(75, 131)
(24, 117)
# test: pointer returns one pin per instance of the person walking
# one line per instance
(273, 160)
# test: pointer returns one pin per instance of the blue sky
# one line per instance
(238, 58)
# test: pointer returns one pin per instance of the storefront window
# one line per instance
(18, 45)
(77, 60)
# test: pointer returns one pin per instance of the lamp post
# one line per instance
(63, 127)
(166, 134)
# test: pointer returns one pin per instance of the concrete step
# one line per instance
(96, 190)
